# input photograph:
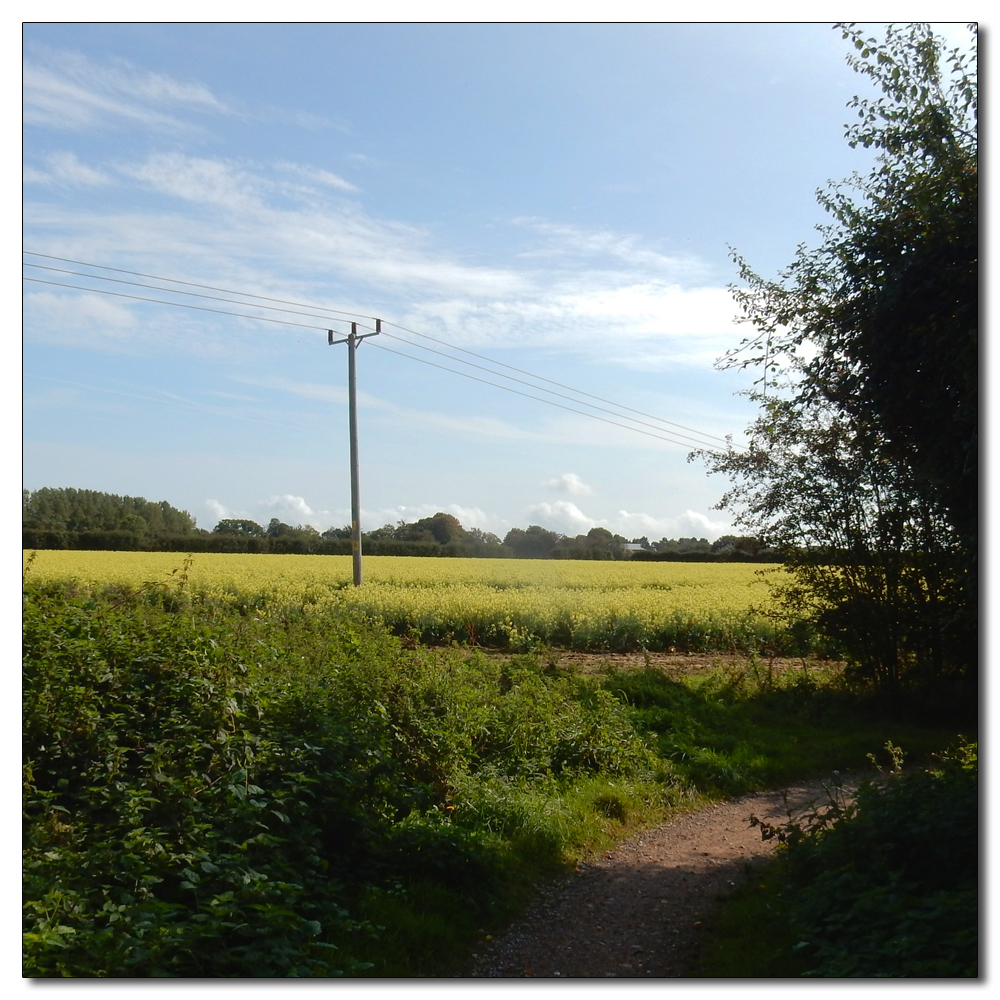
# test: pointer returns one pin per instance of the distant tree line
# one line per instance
(88, 519)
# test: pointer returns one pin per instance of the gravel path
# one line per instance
(636, 911)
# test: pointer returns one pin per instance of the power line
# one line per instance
(194, 284)
(542, 378)
(174, 291)
(518, 392)
(522, 382)
(180, 305)
(398, 326)
(216, 298)
(328, 319)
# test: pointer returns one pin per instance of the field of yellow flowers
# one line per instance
(508, 603)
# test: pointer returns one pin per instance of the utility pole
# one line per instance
(352, 392)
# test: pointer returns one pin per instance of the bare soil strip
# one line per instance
(637, 911)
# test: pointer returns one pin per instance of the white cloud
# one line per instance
(90, 321)
(66, 169)
(295, 510)
(217, 510)
(566, 518)
(468, 517)
(318, 176)
(474, 517)
(569, 482)
(571, 288)
(564, 241)
(313, 236)
(66, 90)
(240, 217)
(83, 319)
(288, 505)
(196, 179)
(562, 516)
(687, 525)
(705, 526)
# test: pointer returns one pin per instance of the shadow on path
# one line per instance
(636, 911)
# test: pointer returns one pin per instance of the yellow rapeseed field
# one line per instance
(505, 602)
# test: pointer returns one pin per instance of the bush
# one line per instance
(886, 886)
(215, 794)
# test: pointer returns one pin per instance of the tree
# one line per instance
(862, 466)
(135, 523)
(481, 537)
(239, 526)
(742, 545)
(441, 528)
(535, 542)
(278, 529)
(74, 510)
(344, 532)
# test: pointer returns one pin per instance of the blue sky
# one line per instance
(555, 197)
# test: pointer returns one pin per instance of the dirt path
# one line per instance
(635, 911)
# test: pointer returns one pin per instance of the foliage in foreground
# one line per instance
(226, 797)
(882, 886)
(214, 793)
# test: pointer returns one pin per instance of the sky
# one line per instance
(563, 199)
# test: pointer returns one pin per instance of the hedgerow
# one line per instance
(215, 795)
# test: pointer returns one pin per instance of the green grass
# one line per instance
(731, 731)
(295, 793)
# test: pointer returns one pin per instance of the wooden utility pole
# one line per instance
(352, 394)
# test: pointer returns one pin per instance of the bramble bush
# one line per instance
(886, 884)
(211, 794)
(891, 889)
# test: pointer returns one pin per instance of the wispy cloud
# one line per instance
(235, 220)
(197, 179)
(560, 241)
(66, 169)
(364, 159)
(63, 318)
(69, 92)
(324, 177)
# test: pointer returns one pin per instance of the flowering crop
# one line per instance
(498, 602)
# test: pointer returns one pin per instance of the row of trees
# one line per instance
(90, 510)
(87, 519)
(863, 462)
